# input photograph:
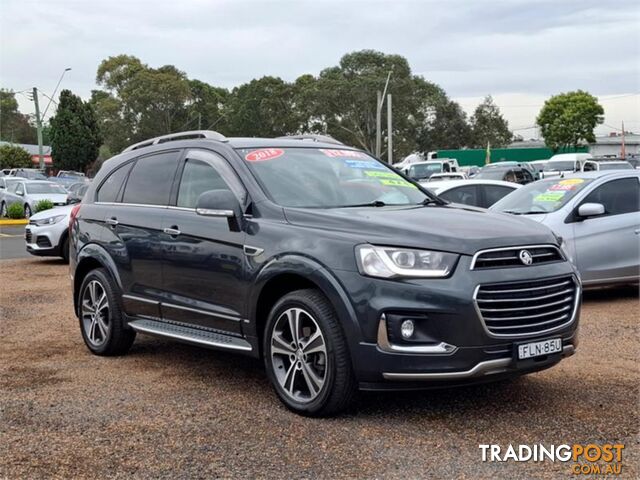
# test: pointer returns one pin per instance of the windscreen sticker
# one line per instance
(264, 154)
(549, 196)
(368, 164)
(396, 183)
(379, 174)
(342, 153)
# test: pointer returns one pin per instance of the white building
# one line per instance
(611, 146)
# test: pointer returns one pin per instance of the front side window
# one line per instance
(467, 195)
(110, 188)
(328, 178)
(150, 179)
(198, 177)
(618, 196)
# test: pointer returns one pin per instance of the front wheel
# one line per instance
(306, 355)
(27, 211)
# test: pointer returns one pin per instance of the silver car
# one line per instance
(5, 185)
(29, 192)
(597, 214)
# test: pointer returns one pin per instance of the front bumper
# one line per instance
(43, 241)
(454, 345)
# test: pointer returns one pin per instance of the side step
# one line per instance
(190, 335)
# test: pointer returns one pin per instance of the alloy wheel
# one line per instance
(299, 355)
(95, 313)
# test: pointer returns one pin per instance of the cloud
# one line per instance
(515, 47)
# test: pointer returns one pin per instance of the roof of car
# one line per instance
(250, 142)
(447, 184)
(599, 173)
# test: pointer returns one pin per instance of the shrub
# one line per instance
(12, 156)
(42, 205)
(15, 211)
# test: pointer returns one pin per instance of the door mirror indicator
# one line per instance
(220, 203)
(590, 210)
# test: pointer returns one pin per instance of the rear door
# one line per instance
(607, 246)
(134, 230)
(203, 261)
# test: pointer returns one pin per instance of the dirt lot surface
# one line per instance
(168, 410)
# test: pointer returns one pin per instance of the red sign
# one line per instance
(264, 154)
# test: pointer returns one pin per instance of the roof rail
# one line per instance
(314, 138)
(173, 137)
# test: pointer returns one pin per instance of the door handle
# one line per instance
(112, 221)
(173, 231)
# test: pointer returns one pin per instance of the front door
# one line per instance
(607, 246)
(203, 259)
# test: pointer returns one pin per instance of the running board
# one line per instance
(190, 335)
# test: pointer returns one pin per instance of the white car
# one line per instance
(478, 193)
(563, 164)
(47, 235)
(29, 192)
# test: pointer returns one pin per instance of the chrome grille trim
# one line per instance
(477, 256)
(537, 318)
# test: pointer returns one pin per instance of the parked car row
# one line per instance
(28, 193)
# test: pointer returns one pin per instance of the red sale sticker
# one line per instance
(342, 153)
(264, 154)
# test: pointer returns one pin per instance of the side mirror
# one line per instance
(590, 210)
(220, 203)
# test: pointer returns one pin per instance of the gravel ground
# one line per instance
(168, 410)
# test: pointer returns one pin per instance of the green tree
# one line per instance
(489, 126)
(262, 108)
(569, 119)
(13, 156)
(445, 127)
(14, 126)
(75, 135)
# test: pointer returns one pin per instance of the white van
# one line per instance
(563, 163)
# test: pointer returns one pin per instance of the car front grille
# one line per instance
(527, 308)
(511, 257)
(27, 235)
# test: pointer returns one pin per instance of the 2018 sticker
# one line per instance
(264, 154)
(342, 153)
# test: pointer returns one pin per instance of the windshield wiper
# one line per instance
(433, 201)
(375, 203)
(530, 212)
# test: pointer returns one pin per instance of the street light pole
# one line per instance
(389, 131)
(379, 104)
(53, 95)
(38, 128)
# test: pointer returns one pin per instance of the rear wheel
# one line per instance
(306, 355)
(101, 321)
(64, 249)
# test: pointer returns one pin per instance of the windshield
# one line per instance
(490, 174)
(326, 178)
(424, 170)
(616, 166)
(559, 166)
(36, 188)
(543, 196)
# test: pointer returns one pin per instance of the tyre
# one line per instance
(306, 355)
(64, 249)
(27, 211)
(3, 210)
(101, 321)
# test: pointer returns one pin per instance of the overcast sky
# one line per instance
(519, 51)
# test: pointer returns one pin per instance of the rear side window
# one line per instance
(493, 193)
(151, 178)
(110, 188)
(468, 195)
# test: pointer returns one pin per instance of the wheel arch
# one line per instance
(292, 273)
(92, 256)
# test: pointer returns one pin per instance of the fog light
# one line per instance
(406, 328)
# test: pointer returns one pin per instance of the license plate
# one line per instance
(538, 349)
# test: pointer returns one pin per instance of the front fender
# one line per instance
(321, 277)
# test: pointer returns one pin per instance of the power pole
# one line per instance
(378, 124)
(389, 131)
(38, 127)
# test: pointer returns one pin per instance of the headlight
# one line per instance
(388, 262)
(49, 220)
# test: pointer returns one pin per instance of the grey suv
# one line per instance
(335, 269)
